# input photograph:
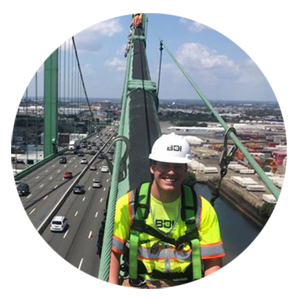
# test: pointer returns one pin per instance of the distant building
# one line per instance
(105, 105)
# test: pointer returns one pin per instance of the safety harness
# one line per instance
(189, 207)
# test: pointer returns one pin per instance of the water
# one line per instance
(254, 259)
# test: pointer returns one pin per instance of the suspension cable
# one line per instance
(82, 81)
(160, 60)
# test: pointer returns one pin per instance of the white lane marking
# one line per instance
(107, 180)
(104, 189)
(101, 200)
(66, 234)
(96, 215)
(41, 185)
(78, 273)
(89, 188)
(50, 178)
(45, 197)
(53, 166)
(32, 211)
(37, 177)
(55, 187)
(76, 213)
(83, 199)
(58, 171)
(46, 171)
(29, 196)
(75, 167)
(90, 235)
(65, 166)
(97, 173)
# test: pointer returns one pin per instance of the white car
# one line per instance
(83, 161)
(104, 169)
(97, 183)
(58, 224)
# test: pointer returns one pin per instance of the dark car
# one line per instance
(63, 160)
(80, 154)
(68, 175)
(79, 189)
(23, 189)
(92, 152)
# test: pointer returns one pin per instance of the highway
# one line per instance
(78, 243)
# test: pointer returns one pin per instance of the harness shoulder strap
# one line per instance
(141, 208)
(189, 208)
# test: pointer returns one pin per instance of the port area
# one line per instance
(249, 203)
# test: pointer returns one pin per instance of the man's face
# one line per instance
(168, 176)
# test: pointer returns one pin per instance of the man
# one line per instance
(173, 233)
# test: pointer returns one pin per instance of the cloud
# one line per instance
(201, 22)
(89, 30)
(199, 59)
(116, 64)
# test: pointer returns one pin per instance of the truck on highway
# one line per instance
(74, 144)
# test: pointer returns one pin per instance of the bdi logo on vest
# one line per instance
(164, 223)
(174, 148)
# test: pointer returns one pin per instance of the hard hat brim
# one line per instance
(171, 160)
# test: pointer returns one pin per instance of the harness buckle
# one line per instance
(138, 282)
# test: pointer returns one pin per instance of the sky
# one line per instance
(229, 56)
(220, 68)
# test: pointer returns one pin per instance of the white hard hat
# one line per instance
(171, 148)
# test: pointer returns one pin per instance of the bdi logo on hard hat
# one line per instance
(174, 148)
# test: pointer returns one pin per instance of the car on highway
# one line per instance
(83, 161)
(59, 224)
(63, 160)
(68, 175)
(92, 152)
(80, 154)
(78, 189)
(97, 183)
(23, 189)
(93, 167)
(97, 148)
(104, 169)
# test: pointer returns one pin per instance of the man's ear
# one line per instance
(152, 165)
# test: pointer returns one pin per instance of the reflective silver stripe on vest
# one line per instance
(131, 203)
(118, 245)
(163, 253)
(212, 250)
(199, 206)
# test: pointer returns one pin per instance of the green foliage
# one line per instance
(267, 209)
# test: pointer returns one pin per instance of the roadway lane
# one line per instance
(78, 245)
(46, 259)
(47, 184)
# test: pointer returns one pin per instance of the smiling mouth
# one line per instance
(169, 180)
